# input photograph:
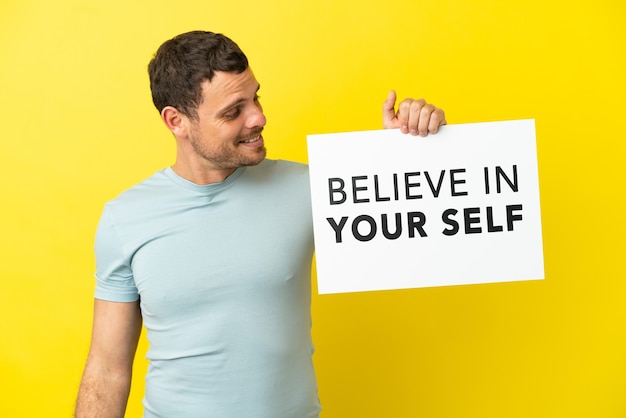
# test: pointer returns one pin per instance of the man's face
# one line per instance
(227, 132)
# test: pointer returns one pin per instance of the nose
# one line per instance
(256, 118)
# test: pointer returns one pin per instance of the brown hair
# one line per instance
(183, 63)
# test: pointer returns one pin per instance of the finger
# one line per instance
(425, 115)
(437, 119)
(405, 108)
(415, 116)
(389, 114)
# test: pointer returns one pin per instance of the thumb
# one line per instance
(389, 113)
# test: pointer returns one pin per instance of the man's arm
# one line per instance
(415, 117)
(106, 380)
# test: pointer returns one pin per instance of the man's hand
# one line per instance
(415, 117)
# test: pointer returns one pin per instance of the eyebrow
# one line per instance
(236, 103)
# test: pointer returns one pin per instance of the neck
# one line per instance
(190, 166)
(200, 174)
(202, 177)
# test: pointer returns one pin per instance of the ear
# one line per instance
(175, 121)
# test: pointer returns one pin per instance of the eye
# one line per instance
(232, 114)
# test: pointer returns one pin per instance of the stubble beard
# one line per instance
(228, 158)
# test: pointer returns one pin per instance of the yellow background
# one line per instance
(78, 127)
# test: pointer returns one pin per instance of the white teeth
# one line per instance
(248, 141)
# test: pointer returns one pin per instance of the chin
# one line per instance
(257, 159)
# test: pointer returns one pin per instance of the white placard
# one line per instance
(393, 211)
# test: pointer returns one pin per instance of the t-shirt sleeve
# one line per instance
(114, 276)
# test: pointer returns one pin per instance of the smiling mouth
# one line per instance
(250, 140)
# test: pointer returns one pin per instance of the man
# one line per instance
(212, 254)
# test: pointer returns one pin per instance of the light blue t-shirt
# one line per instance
(222, 272)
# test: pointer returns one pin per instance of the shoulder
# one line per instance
(282, 168)
(283, 165)
(286, 179)
(141, 197)
(157, 180)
